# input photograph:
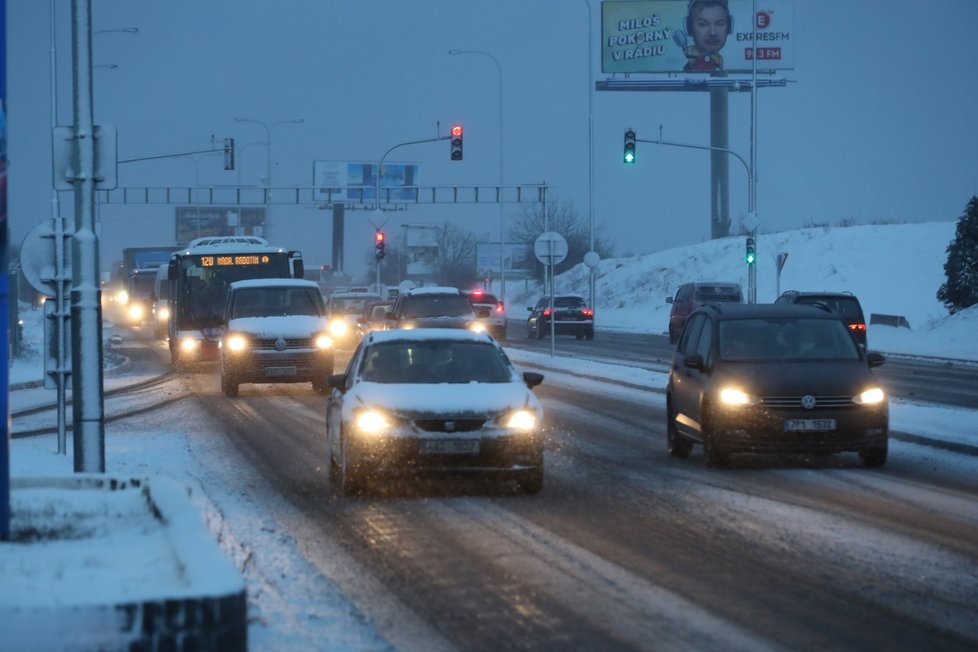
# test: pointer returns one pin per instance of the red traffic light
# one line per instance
(456, 140)
(378, 236)
(456, 130)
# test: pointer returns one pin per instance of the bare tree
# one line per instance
(562, 218)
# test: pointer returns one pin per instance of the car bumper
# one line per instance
(568, 327)
(764, 431)
(406, 454)
(294, 366)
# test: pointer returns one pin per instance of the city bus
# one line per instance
(198, 279)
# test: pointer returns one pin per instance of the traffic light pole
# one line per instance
(751, 269)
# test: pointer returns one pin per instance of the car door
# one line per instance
(684, 386)
(334, 406)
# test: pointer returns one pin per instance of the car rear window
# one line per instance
(785, 339)
(848, 307)
(568, 302)
(483, 298)
(718, 293)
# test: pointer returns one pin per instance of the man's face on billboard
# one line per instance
(710, 24)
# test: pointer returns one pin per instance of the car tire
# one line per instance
(678, 445)
(229, 385)
(578, 336)
(673, 336)
(531, 482)
(539, 332)
(352, 480)
(714, 453)
(589, 335)
(875, 457)
(529, 331)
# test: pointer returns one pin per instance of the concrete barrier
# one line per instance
(888, 320)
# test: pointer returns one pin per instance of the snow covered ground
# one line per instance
(893, 269)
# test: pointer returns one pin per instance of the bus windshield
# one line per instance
(201, 286)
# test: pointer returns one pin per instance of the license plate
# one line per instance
(801, 425)
(449, 446)
(280, 371)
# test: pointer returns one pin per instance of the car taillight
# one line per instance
(587, 312)
(546, 312)
(500, 307)
(860, 328)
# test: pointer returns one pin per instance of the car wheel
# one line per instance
(874, 457)
(673, 336)
(352, 479)
(679, 446)
(578, 336)
(539, 332)
(714, 453)
(229, 385)
(529, 331)
(589, 335)
(531, 482)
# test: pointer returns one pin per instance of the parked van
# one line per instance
(689, 295)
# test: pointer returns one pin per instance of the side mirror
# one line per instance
(532, 378)
(669, 299)
(530, 308)
(337, 382)
(695, 361)
(875, 359)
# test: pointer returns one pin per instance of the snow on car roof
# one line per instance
(275, 282)
(415, 334)
(433, 290)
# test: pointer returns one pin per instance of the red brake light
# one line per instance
(588, 312)
(857, 327)
(546, 312)
(500, 307)
(477, 293)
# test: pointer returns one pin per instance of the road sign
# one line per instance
(782, 257)
(37, 258)
(550, 248)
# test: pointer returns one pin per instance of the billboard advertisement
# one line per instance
(360, 180)
(519, 259)
(696, 36)
(210, 221)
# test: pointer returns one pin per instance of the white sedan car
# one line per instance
(433, 400)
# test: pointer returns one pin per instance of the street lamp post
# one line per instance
(268, 163)
(590, 148)
(502, 216)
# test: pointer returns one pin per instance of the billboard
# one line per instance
(519, 259)
(210, 221)
(696, 36)
(360, 180)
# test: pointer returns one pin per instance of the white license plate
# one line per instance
(449, 446)
(280, 371)
(802, 425)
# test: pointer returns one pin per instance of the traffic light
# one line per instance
(229, 153)
(456, 139)
(751, 255)
(379, 244)
(629, 146)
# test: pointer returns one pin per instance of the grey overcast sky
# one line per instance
(878, 121)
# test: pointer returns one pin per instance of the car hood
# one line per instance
(281, 326)
(442, 399)
(778, 378)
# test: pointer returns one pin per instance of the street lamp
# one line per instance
(502, 217)
(268, 162)
(590, 148)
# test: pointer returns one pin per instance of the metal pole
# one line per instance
(590, 146)
(752, 272)
(88, 418)
(60, 311)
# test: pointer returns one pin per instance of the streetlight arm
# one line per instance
(715, 149)
(381, 161)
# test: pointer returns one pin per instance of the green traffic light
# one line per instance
(629, 157)
(750, 259)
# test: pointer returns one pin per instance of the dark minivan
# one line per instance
(841, 303)
(689, 295)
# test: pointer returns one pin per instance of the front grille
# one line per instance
(440, 425)
(794, 402)
(290, 343)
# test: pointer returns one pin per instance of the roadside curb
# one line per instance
(209, 613)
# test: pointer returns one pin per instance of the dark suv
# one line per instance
(841, 303)
(690, 295)
(764, 378)
(572, 317)
(435, 307)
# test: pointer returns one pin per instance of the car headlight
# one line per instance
(372, 422)
(521, 420)
(135, 312)
(322, 341)
(871, 396)
(163, 314)
(189, 344)
(408, 325)
(122, 297)
(338, 327)
(236, 342)
(733, 396)
(477, 327)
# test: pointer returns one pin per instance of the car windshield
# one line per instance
(350, 305)
(436, 361)
(568, 302)
(275, 301)
(743, 340)
(437, 306)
